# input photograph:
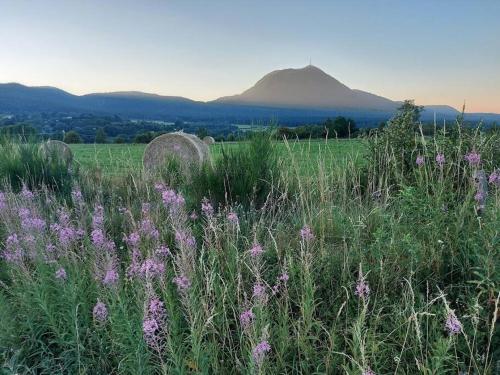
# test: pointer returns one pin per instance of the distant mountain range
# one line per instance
(288, 96)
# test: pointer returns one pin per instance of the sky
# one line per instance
(436, 52)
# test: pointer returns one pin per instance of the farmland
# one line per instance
(117, 159)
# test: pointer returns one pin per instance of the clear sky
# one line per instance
(436, 51)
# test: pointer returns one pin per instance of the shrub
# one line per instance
(22, 163)
(242, 175)
(72, 137)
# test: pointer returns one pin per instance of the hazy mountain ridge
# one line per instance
(289, 96)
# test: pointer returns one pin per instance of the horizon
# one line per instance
(398, 51)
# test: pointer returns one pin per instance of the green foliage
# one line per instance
(24, 163)
(243, 175)
(100, 136)
(72, 137)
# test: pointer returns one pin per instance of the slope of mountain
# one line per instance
(308, 87)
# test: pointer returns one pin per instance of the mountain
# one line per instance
(308, 87)
(288, 96)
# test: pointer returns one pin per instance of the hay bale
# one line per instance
(57, 148)
(201, 145)
(208, 140)
(186, 147)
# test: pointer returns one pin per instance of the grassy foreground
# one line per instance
(298, 265)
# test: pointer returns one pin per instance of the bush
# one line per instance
(242, 175)
(72, 137)
(22, 163)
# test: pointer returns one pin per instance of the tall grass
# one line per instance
(353, 272)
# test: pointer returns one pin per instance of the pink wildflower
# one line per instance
(473, 158)
(256, 250)
(246, 318)
(100, 312)
(420, 160)
(260, 351)
(440, 159)
(452, 324)
(61, 274)
(306, 233)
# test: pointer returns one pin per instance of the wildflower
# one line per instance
(494, 178)
(232, 217)
(149, 328)
(362, 287)
(259, 292)
(260, 351)
(133, 239)
(98, 217)
(193, 216)
(151, 268)
(283, 277)
(12, 252)
(77, 196)
(367, 371)
(182, 282)
(185, 239)
(207, 208)
(452, 324)
(67, 235)
(163, 251)
(26, 193)
(256, 250)
(306, 233)
(98, 238)
(111, 277)
(246, 318)
(473, 158)
(420, 160)
(135, 264)
(479, 197)
(61, 274)
(440, 159)
(100, 312)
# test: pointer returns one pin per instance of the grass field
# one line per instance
(117, 159)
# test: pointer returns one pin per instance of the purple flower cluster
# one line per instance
(259, 292)
(182, 282)
(111, 276)
(27, 193)
(368, 371)
(306, 233)
(281, 280)
(77, 197)
(232, 217)
(100, 312)
(171, 199)
(61, 274)
(362, 289)
(260, 351)
(440, 159)
(29, 221)
(154, 322)
(185, 239)
(420, 161)
(13, 252)
(256, 250)
(163, 252)
(207, 208)
(246, 318)
(152, 268)
(473, 158)
(452, 324)
(494, 178)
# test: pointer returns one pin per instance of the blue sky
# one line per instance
(437, 52)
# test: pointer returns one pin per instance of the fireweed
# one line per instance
(113, 281)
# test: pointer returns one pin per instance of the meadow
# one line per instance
(351, 257)
(118, 159)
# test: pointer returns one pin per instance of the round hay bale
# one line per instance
(61, 149)
(208, 140)
(186, 147)
(203, 147)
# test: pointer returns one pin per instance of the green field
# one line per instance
(117, 159)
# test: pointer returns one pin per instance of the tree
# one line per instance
(121, 139)
(72, 137)
(100, 136)
(340, 127)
